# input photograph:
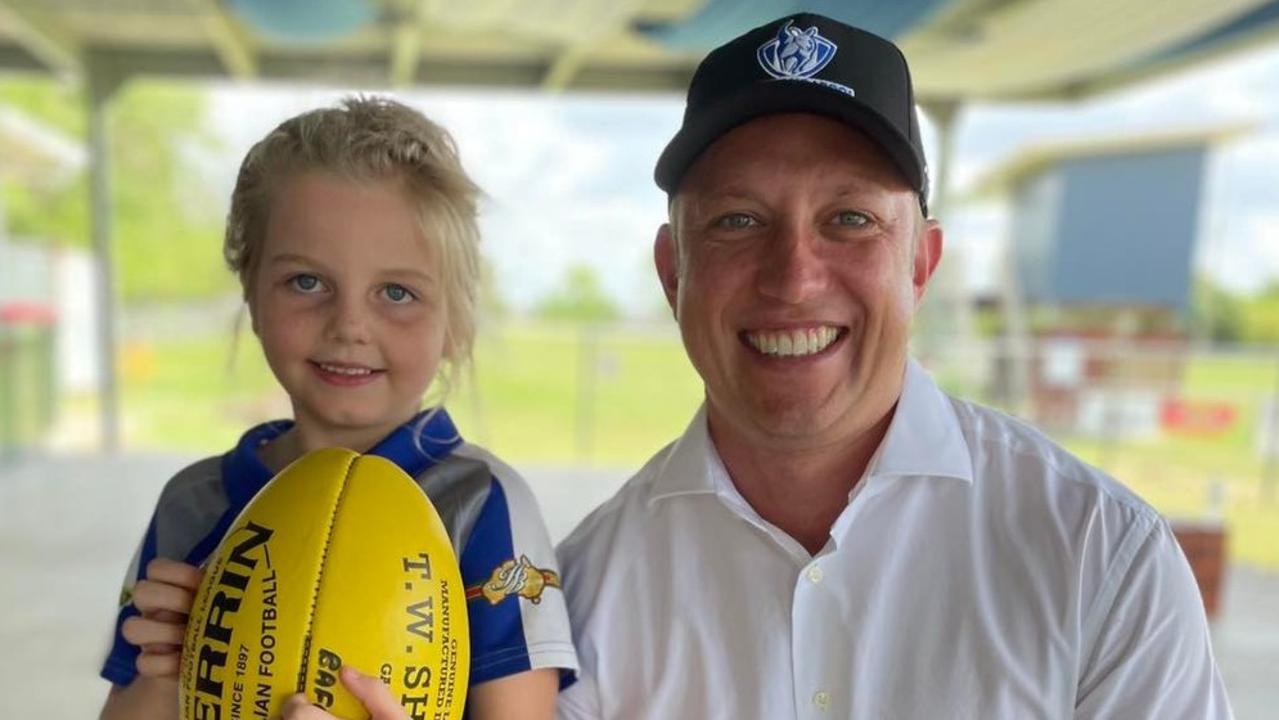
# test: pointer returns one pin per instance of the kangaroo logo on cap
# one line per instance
(798, 55)
(795, 53)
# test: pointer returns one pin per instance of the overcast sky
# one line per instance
(569, 177)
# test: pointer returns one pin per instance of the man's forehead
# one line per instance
(732, 191)
(797, 144)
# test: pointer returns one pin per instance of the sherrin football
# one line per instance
(339, 560)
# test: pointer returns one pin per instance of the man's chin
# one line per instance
(794, 418)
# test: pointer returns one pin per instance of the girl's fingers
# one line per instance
(150, 596)
(143, 631)
(299, 708)
(370, 691)
(173, 572)
(152, 664)
(168, 616)
(375, 696)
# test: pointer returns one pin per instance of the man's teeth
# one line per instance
(345, 370)
(792, 343)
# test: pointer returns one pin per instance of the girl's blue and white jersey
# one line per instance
(515, 604)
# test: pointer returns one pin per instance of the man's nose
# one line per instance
(792, 270)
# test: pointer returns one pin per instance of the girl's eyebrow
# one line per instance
(409, 273)
(400, 272)
(291, 258)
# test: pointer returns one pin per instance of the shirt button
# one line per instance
(821, 700)
(815, 574)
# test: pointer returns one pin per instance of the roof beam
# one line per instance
(45, 41)
(230, 41)
(406, 47)
(1235, 45)
(369, 69)
(406, 44)
(14, 57)
(564, 68)
(613, 18)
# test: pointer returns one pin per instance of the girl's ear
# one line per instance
(448, 351)
(253, 317)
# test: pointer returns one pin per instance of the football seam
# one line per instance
(304, 666)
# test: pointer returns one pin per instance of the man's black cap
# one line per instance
(802, 63)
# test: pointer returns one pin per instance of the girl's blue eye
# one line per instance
(305, 282)
(399, 294)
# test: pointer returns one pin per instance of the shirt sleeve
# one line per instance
(1151, 656)
(579, 702)
(515, 603)
(120, 666)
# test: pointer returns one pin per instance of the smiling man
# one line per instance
(833, 536)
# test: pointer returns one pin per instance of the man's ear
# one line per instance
(928, 251)
(666, 258)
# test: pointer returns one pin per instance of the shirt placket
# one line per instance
(815, 620)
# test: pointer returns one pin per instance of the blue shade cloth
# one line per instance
(304, 21)
(1260, 19)
(719, 21)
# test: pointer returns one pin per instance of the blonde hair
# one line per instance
(371, 139)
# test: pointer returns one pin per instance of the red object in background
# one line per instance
(1197, 417)
(1204, 545)
(27, 313)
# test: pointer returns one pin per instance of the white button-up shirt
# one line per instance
(978, 571)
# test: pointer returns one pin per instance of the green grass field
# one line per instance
(549, 394)
(533, 394)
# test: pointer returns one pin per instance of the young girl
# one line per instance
(353, 233)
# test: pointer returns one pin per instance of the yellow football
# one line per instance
(339, 560)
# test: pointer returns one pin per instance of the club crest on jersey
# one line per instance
(518, 578)
(798, 55)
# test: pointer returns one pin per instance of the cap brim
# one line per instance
(783, 96)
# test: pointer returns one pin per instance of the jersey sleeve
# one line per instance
(120, 664)
(515, 602)
(190, 517)
(1151, 656)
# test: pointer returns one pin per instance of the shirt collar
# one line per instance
(923, 439)
(415, 446)
(689, 467)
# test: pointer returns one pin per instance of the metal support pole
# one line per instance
(1270, 473)
(100, 88)
(1018, 347)
(587, 370)
(947, 316)
(944, 114)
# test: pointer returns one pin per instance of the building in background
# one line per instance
(46, 339)
(1097, 290)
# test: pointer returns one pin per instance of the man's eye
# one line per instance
(736, 221)
(305, 282)
(399, 294)
(851, 218)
